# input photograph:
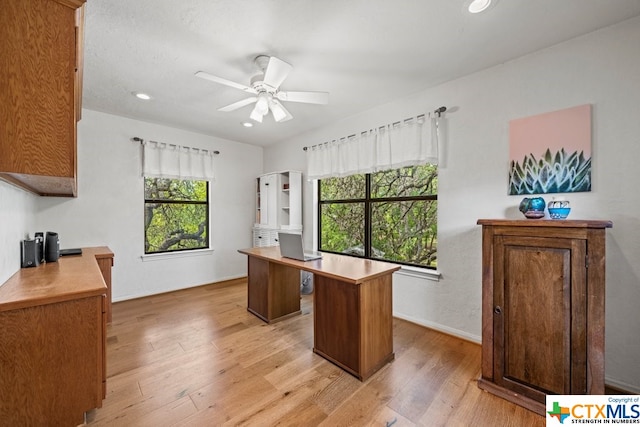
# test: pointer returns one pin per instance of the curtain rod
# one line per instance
(438, 112)
(141, 141)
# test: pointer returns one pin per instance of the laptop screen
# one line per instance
(291, 246)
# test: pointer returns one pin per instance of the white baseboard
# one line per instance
(441, 328)
(142, 295)
(621, 385)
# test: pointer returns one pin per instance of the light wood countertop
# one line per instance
(342, 267)
(71, 277)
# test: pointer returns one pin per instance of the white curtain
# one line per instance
(410, 142)
(162, 160)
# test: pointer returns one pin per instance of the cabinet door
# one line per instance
(268, 201)
(39, 87)
(539, 315)
(264, 200)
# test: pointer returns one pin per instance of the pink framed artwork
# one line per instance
(551, 152)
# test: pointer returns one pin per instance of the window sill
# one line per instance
(174, 255)
(420, 273)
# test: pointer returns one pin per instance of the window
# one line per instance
(390, 216)
(176, 215)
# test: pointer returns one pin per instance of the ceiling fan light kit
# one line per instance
(266, 87)
(477, 6)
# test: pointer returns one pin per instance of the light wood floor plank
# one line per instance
(196, 357)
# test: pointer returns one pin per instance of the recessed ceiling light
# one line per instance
(141, 95)
(247, 124)
(477, 6)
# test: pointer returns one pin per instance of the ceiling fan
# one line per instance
(265, 86)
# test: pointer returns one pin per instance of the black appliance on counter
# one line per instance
(42, 248)
(29, 253)
(51, 247)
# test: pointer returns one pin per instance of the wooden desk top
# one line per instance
(341, 267)
(71, 277)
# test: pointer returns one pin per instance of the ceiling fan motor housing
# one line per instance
(257, 83)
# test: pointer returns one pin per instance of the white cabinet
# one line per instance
(265, 237)
(278, 206)
(267, 186)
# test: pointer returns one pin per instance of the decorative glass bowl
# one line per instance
(559, 213)
(532, 208)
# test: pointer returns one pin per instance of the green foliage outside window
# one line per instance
(176, 215)
(389, 215)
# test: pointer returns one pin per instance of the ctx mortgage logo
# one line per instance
(592, 409)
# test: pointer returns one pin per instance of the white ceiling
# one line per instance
(364, 52)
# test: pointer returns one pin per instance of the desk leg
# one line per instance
(274, 290)
(353, 324)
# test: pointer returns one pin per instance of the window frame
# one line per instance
(368, 202)
(206, 203)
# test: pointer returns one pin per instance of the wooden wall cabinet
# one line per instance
(53, 341)
(543, 300)
(41, 90)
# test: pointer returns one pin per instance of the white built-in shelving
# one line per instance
(278, 206)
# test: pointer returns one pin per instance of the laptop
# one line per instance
(291, 247)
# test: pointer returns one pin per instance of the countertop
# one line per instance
(71, 277)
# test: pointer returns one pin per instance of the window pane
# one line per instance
(349, 187)
(406, 182)
(342, 228)
(405, 232)
(175, 226)
(175, 189)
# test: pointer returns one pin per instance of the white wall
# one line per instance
(602, 69)
(17, 222)
(109, 209)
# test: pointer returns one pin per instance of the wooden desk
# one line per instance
(53, 340)
(352, 304)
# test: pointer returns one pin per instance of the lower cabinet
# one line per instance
(53, 341)
(52, 362)
(542, 309)
(264, 237)
(269, 236)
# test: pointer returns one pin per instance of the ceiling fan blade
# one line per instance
(280, 114)
(277, 70)
(216, 79)
(306, 97)
(239, 104)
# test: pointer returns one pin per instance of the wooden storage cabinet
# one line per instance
(53, 341)
(542, 309)
(40, 88)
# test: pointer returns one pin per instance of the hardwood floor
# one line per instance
(198, 358)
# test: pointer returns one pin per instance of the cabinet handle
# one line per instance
(497, 310)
